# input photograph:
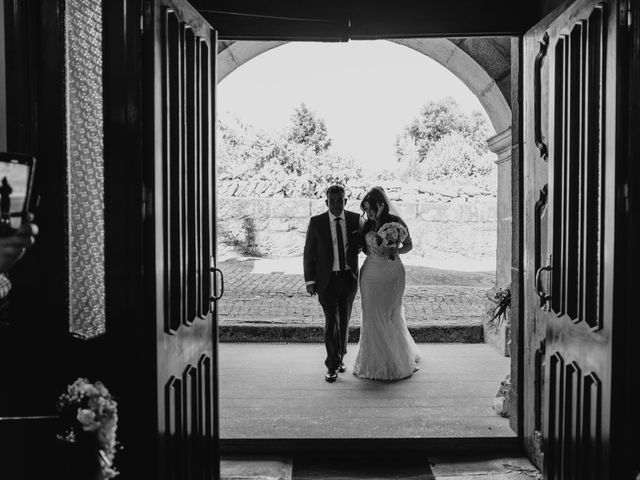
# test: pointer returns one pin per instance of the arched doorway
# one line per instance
(249, 87)
(484, 66)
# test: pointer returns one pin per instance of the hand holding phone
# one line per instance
(13, 247)
(16, 181)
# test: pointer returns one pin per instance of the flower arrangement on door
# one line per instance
(89, 416)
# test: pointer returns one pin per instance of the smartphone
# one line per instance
(16, 182)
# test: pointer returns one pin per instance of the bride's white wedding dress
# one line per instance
(386, 350)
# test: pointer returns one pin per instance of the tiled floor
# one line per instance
(278, 391)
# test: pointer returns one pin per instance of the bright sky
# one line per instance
(366, 91)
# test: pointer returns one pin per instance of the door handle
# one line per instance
(546, 297)
(537, 94)
(215, 297)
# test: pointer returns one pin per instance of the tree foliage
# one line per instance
(444, 141)
(297, 161)
(309, 130)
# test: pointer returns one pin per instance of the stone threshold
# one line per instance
(372, 447)
(471, 332)
(320, 465)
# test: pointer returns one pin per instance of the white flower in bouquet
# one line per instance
(87, 418)
(89, 409)
(392, 234)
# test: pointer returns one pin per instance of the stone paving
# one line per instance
(260, 294)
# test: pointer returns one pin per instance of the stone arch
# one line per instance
(450, 55)
(484, 66)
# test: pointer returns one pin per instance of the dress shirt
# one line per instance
(334, 240)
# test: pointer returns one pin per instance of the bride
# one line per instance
(386, 350)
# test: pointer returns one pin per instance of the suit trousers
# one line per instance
(336, 301)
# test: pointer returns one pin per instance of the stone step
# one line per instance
(472, 467)
(256, 468)
(459, 467)
(466, 330)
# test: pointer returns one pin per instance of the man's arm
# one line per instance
(361, 223)
(355, 235)
(309, 259)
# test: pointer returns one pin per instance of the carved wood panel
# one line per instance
(187, 173)
(172, 113)
(205, 414)
(539, 386)
(574, 439)
(189, 423)
(205, 176)
(577, 170)
(591, 438)
(173, 428)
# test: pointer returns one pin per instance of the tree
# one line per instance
(451, 156)
(434, 121)
(297, 161)
(444, 141)
(308, 129)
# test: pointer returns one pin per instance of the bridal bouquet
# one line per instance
(90, 417)
(391, 234)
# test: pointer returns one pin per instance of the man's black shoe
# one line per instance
(331, 376)
(342, 368)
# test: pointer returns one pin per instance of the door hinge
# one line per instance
(145, 16)
(147, 202)
(625, 14)
(625, 196)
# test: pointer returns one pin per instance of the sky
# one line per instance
(366, 91)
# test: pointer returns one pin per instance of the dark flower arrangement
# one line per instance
(503, 300)
(90, 417)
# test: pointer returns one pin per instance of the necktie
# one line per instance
(340, 244)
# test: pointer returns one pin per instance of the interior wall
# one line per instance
(547, 6)
(3, 84)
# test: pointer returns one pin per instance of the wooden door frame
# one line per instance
(504, 445)
(517, 241)
(127, 322)
(626, 380)
(119, 123)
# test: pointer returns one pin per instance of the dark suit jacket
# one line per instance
(318, 248)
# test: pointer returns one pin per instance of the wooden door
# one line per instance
(572, 136)
(536, 218)
(179, 86)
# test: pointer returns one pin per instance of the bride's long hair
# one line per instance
(374, 197)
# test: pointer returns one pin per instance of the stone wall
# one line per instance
(443, 222)
(436, 192)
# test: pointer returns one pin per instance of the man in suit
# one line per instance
(331, 271)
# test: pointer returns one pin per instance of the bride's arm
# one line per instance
(407, 245)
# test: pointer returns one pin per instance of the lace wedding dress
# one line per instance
(386, 350)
